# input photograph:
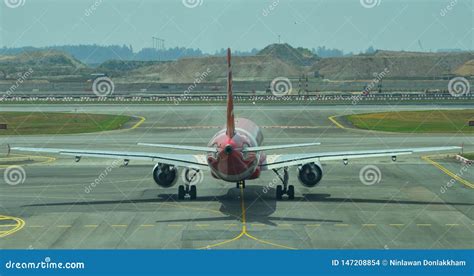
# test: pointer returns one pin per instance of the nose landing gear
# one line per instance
(187, 189)
(286, 189)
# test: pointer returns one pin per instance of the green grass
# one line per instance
(28, 123)
(469, 156)
(432, 121)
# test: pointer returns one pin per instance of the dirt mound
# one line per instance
(51, 64)
(399, 65)
(213, 69)
(467, 69)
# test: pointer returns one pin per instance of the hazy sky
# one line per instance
(241, 24)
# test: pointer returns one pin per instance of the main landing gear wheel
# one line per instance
(240, 184)
(187, 190)
(286, 189)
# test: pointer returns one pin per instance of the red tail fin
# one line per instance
(230, 99)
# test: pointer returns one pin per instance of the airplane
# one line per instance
(235, 154)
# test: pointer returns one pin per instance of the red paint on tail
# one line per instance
(230, 99)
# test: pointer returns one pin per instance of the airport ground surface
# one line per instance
(417, 204)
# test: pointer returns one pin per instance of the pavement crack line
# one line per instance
(244, 231)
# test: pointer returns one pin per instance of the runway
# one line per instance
(418, 202)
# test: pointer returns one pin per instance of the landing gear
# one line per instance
(187, 189)
(240, 184)
(286, 189)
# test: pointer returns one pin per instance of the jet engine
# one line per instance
(165, 175)
(310, 174)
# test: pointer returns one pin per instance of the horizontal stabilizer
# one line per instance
(275, 147)
(180, 147)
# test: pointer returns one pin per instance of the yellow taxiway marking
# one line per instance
(369, 225)
(19, 224)
(397, 224)
(91, 225)
(48, 160)
(448, 172)
(285, 225)
(35, 226)
(142, 119)
(243, 231)
(341, 224)
(7, 225)
(452, 224)
(202, 225)
(175, 225)
(313, 225)
(64, 226)
(333, 119)
(423, 224)
(258, 224)
(119, 225)
(147, 225)
(230, 224)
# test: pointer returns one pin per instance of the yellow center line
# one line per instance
(119, 225)
(452, 224)
(397, 224)
(448, 172)
(423, 224)
(313, 225)
(333, 119)
(258, 224)
(147, 225)
(7, 225)
(64, 226)
(35, 226)
(244, 232)
(175, 225)
(202, 225)
(341, 224)
(368, 225)
(91, 225)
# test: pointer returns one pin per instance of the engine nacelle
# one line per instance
(165, 175)
(310, 174)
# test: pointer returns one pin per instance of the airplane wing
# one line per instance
(180, 160)
(287, 160)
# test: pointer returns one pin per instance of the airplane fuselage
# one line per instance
(229, 163)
